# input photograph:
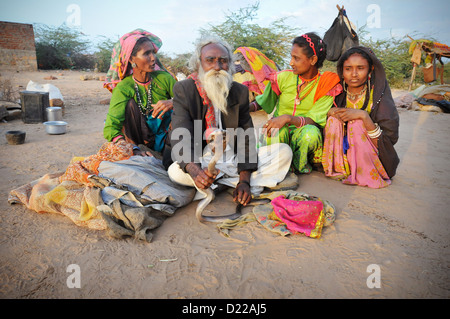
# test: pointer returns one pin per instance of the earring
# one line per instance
(133, 65)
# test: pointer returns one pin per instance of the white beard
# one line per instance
(217, 85)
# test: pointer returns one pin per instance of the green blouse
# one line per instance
(285, 102)
(162, 89)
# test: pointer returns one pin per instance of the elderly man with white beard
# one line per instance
(207, 101)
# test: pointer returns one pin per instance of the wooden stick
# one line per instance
(434, 67)
(413, 75)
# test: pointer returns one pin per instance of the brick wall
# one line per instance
(17, 49)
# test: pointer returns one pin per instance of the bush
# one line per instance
(393, 54)
(57, 47)
(176, 65)
(83, 61)
(50, 57)
(102, 56)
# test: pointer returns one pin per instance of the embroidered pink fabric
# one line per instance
(299, 216)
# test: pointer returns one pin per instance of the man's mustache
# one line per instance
(211, 73)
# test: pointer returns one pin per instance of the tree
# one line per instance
(103, 53)
(393, 54)
(56, 46)
(238, 30)
(178, 64)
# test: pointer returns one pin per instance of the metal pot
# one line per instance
(15, 137)
(55, 127)
(54, 113)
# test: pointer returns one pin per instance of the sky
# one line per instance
(177, 22)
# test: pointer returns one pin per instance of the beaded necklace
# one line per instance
(145, 110)
(356, 96)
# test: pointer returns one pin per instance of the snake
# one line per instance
(218, 146)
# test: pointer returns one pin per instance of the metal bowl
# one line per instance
(55, 127)
(15, 137)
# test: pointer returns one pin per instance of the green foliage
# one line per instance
(238, 30)
(176, 65)
(393, 54)
(396, 59)
(63, 47)
(57, 46)
(102, 56)
(67, 48)
(83, 61)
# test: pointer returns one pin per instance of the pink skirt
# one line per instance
(359, 164)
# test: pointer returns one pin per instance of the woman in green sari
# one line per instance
(300, 99)
(141, 105)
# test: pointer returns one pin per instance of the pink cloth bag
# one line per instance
(300, 216)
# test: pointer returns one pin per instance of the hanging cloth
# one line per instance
(340, 37)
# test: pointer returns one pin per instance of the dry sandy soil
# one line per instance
(403, 229)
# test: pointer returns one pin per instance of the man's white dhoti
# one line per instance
(274, 162)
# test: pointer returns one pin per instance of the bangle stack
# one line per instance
(375, 133)
(302, 121)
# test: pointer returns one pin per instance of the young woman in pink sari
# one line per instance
(363, 127)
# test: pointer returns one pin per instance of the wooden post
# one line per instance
(413, 75)
(434, 67)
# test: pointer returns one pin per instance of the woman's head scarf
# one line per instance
(378, 75)
(121, 54)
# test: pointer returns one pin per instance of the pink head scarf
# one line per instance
(121, 54)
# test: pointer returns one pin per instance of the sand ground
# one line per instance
(402, 229)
